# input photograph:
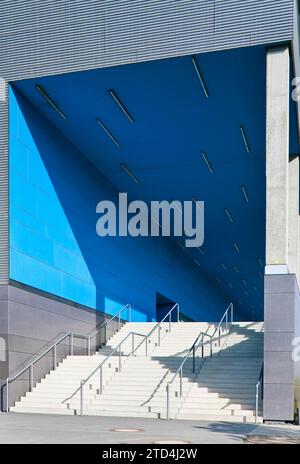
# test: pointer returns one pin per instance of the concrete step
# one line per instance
(225, 386)
(191, 406)
(218, 412)
(41, 410)
(215, 418)
(109, 413)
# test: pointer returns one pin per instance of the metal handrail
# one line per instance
(53, 347)
(225, 316)
(179, 371)
(158, 325)
(106, 324)
(259, 383)
(30, 366)
(194, 349)
(100, 367)
(118, 348)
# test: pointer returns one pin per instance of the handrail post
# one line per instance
(55, 357)
(158, 334)
(101, 381)
(130, 313)
(170, 322)
(231, 313)
(71, 344)
(256, 403)
(219, 335)
(211, 350)
(146, 344)
(226, 320)
(194, 359)
(89, 346)
(132, 343)
(180, 390)
(202, 345)
(120, 363)
(168, 401)
(31, 377)
(81, 397)
(7, 396)
(119, 321)
(178, 316)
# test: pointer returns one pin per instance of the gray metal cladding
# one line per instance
(44, 37)
(52, 36)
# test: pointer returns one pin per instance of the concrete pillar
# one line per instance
(277, 156)
(298, 272)
(281, 303)
(293, 232)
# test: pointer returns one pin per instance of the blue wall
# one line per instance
(54, 190)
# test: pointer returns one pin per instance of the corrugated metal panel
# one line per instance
(56, 36)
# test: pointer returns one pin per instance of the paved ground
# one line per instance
(30, 428)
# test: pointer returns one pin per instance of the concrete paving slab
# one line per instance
(52, 429)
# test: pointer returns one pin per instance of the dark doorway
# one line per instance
(163, 306)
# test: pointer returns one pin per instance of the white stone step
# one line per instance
(30, 410)
(224, 388)
(215, 418)
(109, 413)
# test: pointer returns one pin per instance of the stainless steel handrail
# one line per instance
(53, 347)
(118, 348)
(179, 371)
(100, 367)
(30, 366)
(193, 348)
(225, 316)
(106, 324)
(259, 383)
(158, 325)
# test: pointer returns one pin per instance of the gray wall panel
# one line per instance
(56, 36)
(282, 309)
(31, 322)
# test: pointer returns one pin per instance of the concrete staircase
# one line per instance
(223, 387)
(130, 393)
(48, 395)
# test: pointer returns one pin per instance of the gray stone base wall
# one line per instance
(30, 322)
(282, 310)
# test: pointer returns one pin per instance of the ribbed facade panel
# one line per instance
(56, 36)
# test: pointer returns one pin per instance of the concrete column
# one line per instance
(277, 156)
(298, 272)
(281, 290)
(293, 232)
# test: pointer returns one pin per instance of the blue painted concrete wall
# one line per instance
(54, 190)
